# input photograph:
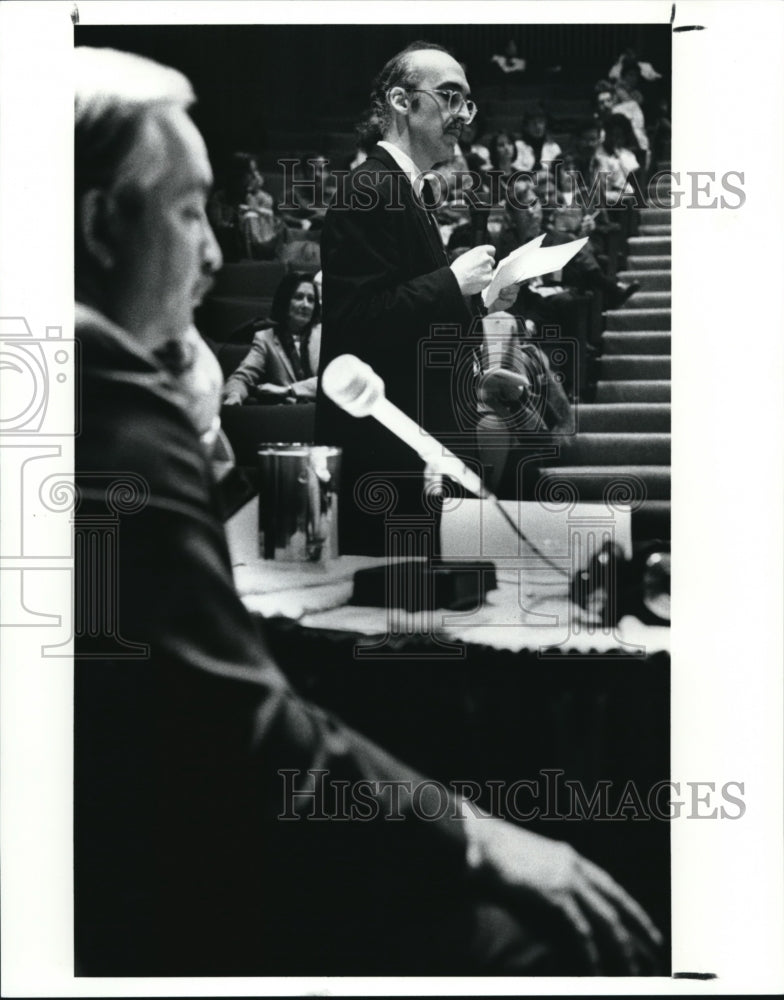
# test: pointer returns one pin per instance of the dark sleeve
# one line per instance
(369, 291)
(211, 683)
(189, 741)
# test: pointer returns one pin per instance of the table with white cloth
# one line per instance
(522, 692)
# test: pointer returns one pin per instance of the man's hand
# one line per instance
(506, 299)
(271, 391)
(474, 269)
(531, 874)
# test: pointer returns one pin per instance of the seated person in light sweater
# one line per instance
(282, 363)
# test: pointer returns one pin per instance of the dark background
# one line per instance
(250, 79)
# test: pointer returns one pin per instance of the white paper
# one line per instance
(530, 261)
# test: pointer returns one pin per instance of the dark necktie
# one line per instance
(430, 202)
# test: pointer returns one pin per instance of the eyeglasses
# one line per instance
(455, 102)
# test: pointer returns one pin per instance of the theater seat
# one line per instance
(220, 316)
(248, 427)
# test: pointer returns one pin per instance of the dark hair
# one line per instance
(396, 73)
(587, 125)
(621, 122)
(237, 176)
(493, 147)
(538, 111)
(279, 314)
(602, 86)
(629, 64)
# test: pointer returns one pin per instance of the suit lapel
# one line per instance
(427, 230)
(284, 359)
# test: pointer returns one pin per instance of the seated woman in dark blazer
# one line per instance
(282, 363)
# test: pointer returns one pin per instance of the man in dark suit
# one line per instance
(205, 841)
(392, 298)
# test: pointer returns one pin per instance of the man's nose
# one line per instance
(213, 257)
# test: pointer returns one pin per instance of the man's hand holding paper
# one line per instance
(530, 261)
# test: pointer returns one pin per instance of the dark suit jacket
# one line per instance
(390, 298)
(183, 723)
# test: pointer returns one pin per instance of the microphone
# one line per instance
(357, 389)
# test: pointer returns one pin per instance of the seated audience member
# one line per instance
(502, 155)
(625, 105)
(535, 151)
(520, 400)
(185, 728)
(309, 190)
(243, 214)
(525, 219)
(282, 363)
(508, 64)
(585, 271)
(616, 159)
(476, 155)
(630, 70)
(522, 219)
(604, 98)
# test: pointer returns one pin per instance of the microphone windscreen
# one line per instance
(352, 384)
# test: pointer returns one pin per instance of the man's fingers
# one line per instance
(583, 932)
(620, 949)
(636, 916)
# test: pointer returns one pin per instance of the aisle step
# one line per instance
(650, 280)
(655, 216)
(638, 319)
(633, 483)
(636, 342)
(617, 448)
(649, 300)
(649, 262)
(603, 418)
(635, 367)
(646, 245)
(657, 230)
(633, 391)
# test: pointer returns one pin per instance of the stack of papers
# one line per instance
(530, 261)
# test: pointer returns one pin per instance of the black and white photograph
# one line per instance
(394, 360)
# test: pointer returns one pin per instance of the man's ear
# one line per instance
(398, 100)
(94, 219)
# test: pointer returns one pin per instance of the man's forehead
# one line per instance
(438, 69)
(174, 151)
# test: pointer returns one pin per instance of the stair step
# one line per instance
(655, 216)
(629, 483)
(649, 280)
(649, 300)
(638, 319)
(655, 230)
(642, 245)
(602, 418)
(634, 391)
(648, 262)
(634, 367)
(617, 448)
(636, 342)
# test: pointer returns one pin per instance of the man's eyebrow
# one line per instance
(454, 85)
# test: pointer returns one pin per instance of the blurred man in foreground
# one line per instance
(184, 725)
